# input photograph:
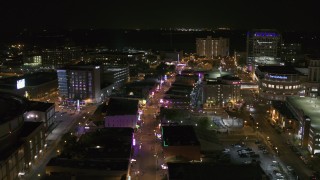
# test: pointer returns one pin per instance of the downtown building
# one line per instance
(79, 83)
(22, 142)
(60, 56)
(220, 88)
(278, 82)
(212, 47)
(263, 48)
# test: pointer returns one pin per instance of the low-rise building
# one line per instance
(122, 113)
(180, 142)
(102, 154)
(282, 116)
(41, 112)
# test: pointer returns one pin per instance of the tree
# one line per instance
(203, 123)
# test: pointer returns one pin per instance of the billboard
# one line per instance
(21, 83)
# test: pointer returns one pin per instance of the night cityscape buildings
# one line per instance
(125, 90)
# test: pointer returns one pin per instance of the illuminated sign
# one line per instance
(265, 34)
(278, 77)
(21, 83)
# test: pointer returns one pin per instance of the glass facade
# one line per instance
(62, 83)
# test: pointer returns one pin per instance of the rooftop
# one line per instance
(39, 106)
(278, 69)
(117, 165)
(33, 79)
(11, 105)
(208, 171)
(118, 106)
(179, 136)
(216, 74)
(310, 108)
(103, 144)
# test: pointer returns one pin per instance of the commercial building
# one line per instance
(212, 47)
(180, 142)
(60, 56)
(220, 88)
(41, 112)
(79, 83)
(22, 143)
(122, 113)
(263, 48)
(306, 111)
(115, 75)
(277, 82)
(105, 154)
(33, 86)
(281, 116)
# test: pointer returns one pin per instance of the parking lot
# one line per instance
(256, 151)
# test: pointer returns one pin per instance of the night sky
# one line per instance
(237, 14)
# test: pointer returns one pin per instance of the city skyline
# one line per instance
(283, 15)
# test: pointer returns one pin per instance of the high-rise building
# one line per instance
(263, 48)
(291, 53)
(79, 83)
(212, 47)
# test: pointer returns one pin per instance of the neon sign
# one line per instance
(278, 77)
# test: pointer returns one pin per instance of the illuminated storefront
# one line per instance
(277, 82)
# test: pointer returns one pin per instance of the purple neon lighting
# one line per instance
(265, 34)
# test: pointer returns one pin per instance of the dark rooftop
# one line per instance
(11, 105)
(209, 171)
(118, 106)
(179, 136)
(33, 79)
(229, 77)
(114, 165)
(39, 106)
(278, 69)
(102, 144)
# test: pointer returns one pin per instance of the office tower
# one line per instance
(263, 48)
(79, 83)
(212, 47)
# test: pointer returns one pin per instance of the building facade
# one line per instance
(212, 47)
(277, 82)
(262, 48)
(79, 83)
(115, 75)
(22, 143)
(306, 111)
(312, 86)
(59, 57)
(220, 88)
(41, 112)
